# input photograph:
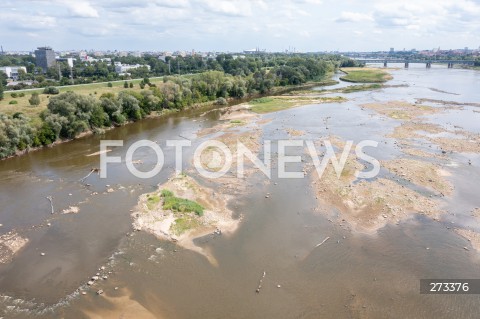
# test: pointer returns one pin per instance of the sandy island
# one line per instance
(368, 205)
(181, 225)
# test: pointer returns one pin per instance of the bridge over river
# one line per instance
(407, 62)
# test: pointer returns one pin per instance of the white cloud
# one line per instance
(81, 9)
(229, 8)
(238, 24)
(18, 21)
(119, 5)
(427, 15)
(347, 16)
(316, 2)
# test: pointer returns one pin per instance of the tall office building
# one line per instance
(45, 57)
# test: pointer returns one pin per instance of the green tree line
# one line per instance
(90, 72)
(70, 114)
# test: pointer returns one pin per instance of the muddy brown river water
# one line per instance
(352, 275)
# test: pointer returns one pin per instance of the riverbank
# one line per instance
(36, 131)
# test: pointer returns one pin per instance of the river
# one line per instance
(352, 275)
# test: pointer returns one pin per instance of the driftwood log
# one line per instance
(93, 170)
(318, 245)
(50, 199)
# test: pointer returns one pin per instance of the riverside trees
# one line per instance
(70, 114)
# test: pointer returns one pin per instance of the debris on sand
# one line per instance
(10, 244)
(401, 110)
(463, 143)
(368, 205)
(71, 210)
(472, 236)
(293, 132)
(421, 173)
(412, 129)
(442, 102)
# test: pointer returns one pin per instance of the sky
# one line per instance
(236, 25)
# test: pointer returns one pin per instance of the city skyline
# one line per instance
(303, 25)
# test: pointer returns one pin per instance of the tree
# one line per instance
(50, 90)
(71, 114)
(3, 81)
(125, 85)
(22, 75)
(131, 85)
(16, 133)
(130, 106)
(34, 100)
(109, 84)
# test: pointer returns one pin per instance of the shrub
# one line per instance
(131, 85)
(109, 84)
(50, 90)
(182, 205)
(108, 95)
(34, 100)
(221, 101)
(125, 85)
(262, 100)
(166, 193)
(21, 94)
(45, 136)
(13, 102)
(14, 95)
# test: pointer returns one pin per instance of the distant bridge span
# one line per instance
(428, 63)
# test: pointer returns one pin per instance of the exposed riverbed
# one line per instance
(369, 267)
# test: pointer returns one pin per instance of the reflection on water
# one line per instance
(350, 276)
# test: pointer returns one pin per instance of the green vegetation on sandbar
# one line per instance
(365, 75)
(181, 205)
(183, 224)
(363, 87)
(274, 104)
(269, 104)
(152, 201)
(347, 89)
(237, 123)
(326, 82)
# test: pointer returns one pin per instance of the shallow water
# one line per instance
(350, 276)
